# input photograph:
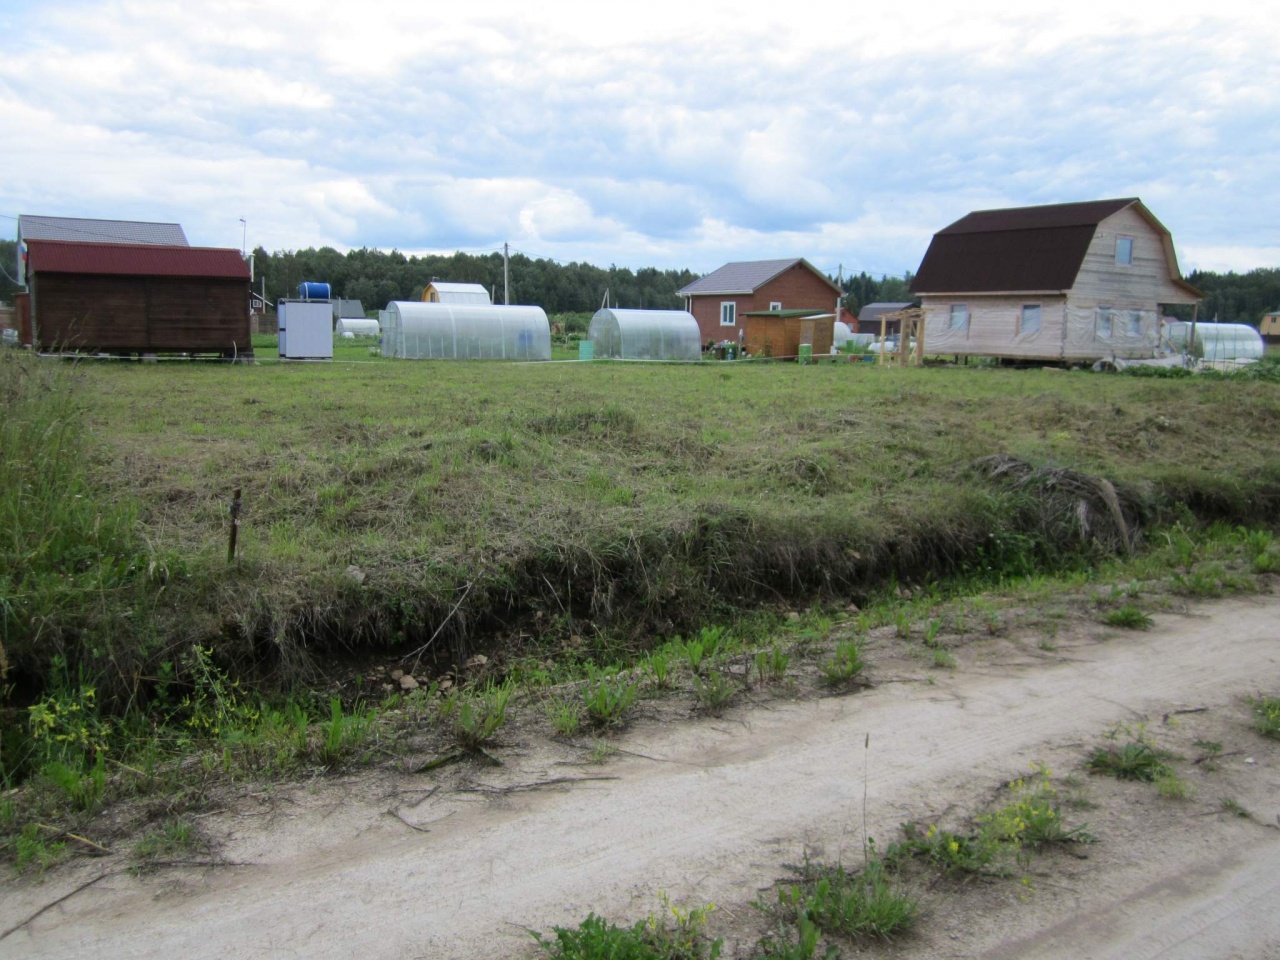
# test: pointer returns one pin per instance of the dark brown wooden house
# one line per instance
(134, 298)
(722, 300)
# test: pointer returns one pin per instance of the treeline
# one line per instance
(863, 289)
(375, 278)
(1234, 297)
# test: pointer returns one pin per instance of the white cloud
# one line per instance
(677, 134)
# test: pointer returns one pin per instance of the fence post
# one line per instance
(235, 526)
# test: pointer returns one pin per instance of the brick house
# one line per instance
(721, 300)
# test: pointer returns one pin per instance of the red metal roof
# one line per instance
(135, 260)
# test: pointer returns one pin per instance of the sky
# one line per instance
(676, 135)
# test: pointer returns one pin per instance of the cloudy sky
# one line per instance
(672, 134)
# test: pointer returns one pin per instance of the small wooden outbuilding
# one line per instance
(134, 298)
(780, 333)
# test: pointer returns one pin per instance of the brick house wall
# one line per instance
(796, 288)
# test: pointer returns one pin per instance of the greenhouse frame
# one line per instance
(1216, 342)
(645, 335)
(461, 331)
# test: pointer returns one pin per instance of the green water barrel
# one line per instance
(806, 353)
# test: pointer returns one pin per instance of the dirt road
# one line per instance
(709, 810)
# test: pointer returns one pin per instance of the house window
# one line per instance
(1133, 323)
(959, 316)
(1124, 249)
(1030, 318)
(775, 304)
(1106, 318)
(729, 314)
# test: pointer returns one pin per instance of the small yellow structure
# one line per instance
(439, 292)
(1269, 327)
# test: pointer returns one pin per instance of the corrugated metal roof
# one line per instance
(741, 277)
(1014, 249)
(137, 260)
(872, 311)
(100, 231)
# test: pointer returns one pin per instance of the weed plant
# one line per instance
(714, 691)
(1128, 617)
(35, 851)
(1266, 716)
(565, 716)
(174, 836)
(477, 716)
(607, 700)
(681, 936)
(845, 665)
(342, 734)
(1129, 755)
(772, 664)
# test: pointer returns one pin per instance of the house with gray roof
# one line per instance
(870, 315)
(722, 300)
(1062, 282)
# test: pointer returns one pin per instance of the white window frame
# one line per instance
(1106, 324)
(959, 309)
(775, 304)
(1126, 261)
(1039, 315)
(728, 313)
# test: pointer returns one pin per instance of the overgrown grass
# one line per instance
(1266, 716)
(675, 934)
(1130, 755)
(1129, 617)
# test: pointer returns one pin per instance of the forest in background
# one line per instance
(375, 277)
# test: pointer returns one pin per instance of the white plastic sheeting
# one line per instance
(1217, 341)
(388, 333)
(357, 327)
(841, 334)
(645, 335)
(461, 331)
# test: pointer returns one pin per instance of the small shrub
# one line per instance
(608, 699)
(1266, 716)
(714, 692)
(931, 633)
(695, 653)
(845, 665)
(1129, 617)
(83, 788)
(861, 905)
(902, 625)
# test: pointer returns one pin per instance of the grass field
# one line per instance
(387, 503)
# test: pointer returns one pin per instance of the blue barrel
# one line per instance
(310, 290)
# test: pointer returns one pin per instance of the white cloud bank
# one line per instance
(660, 135)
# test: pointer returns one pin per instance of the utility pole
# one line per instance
(506, 274)
(244, 237)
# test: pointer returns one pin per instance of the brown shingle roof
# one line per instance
(1019, 248)
(138, 260)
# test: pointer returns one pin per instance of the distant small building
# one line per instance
(1269, 327)
(723, 301)
(1067, 281)
(438, 291)
(869, 317)
(343, 309)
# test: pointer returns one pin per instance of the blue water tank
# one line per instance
(310, 290)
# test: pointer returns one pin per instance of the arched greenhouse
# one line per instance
(1217, 341)
(463, 331)
(645, 335)
(357, 326)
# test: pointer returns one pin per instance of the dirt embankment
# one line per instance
(710, 810)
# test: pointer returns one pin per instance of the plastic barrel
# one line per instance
(806, 353)
(311, 290)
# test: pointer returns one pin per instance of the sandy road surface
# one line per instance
(709, 814)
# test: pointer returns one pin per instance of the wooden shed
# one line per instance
(1269, 327)
(132, 298)
(779, 333)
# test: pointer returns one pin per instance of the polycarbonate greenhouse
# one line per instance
(1217, 341)
(357, 326)
(463, 331)
(645, 335)
(841, 334)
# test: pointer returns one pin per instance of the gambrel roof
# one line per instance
(1019, 249)
(745, 277)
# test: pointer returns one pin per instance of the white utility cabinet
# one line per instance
(306, 329)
